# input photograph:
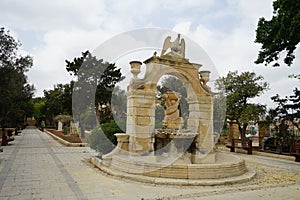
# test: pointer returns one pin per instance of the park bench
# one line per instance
(237, 143)
(297, 152)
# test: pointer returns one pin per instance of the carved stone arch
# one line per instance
(135, 154)
(141, 98)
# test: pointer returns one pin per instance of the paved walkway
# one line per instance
(35, 166)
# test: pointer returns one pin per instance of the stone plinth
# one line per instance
(123, 141)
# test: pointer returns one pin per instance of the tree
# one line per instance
(288, 108)
(284, 118)
(57, 101)
(95, 82)
(93, 71)
(119, 107)
(219, 112)
(171, 83)
(296, 76)
(280, 34)
(15, 91)
(239, 89)
(38, 104)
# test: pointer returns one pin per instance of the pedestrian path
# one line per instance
(35, 166)
(32, 170)
(270, 162)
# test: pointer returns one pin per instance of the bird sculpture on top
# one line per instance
(177, 47)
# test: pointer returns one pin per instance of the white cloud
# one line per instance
(47, 15)
(235, 49)
(60, 30)
(183, 27)
(253, 11)
(49, 59)
(188, 5)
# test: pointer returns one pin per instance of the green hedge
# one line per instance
(103, 139)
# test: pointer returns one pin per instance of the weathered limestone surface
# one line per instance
(141, 100)
(172, 118)
(148, 167)
(171, 152)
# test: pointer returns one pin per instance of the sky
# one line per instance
(55, 31)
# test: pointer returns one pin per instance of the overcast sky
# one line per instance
(53, 31)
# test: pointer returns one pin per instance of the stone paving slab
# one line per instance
(35, 166)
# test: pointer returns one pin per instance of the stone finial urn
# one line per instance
(135, 68)
(204, 76)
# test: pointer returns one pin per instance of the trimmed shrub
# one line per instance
(102, 139)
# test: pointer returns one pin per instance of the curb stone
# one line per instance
(64, 142)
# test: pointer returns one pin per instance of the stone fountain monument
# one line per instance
(171, 155)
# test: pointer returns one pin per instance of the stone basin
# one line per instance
(226, 165)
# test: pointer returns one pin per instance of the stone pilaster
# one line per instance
(201, 121)
(140, 120)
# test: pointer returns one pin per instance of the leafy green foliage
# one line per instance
(296, 76)
(219, 112)
(86, 118)
(38, 104)
(65, 119)
(239, 89)
(171, 83)
(95, 82)
(103, 140)
(288, 108)
(119, 106)
(280, 34)
(286, 112)
(105, 113)
(57, 101)
(93, 71)
(9, 47)
(16, 93)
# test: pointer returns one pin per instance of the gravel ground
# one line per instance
(275, 179)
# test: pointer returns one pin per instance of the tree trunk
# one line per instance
(4, 141)
(243, 133)
(233, 131)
